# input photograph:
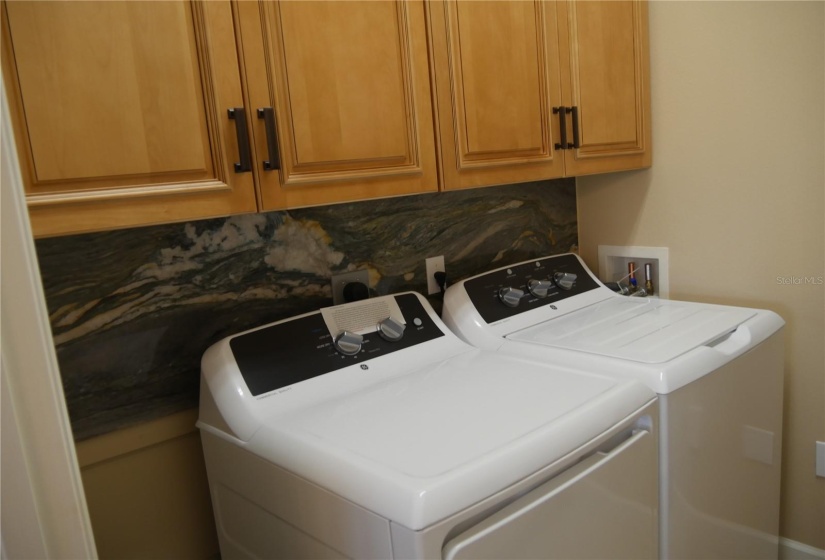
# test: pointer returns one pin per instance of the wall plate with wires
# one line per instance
(613, 261)
(355, 279)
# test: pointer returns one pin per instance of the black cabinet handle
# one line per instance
(575, 111)
(561, 111)
(238, 114)
(274, 161)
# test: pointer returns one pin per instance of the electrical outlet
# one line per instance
(340, 281)
(433, 265)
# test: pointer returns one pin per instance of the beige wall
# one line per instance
(736, 192)
(147, 492)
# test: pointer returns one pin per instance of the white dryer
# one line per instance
(718, 371)
(369, 430)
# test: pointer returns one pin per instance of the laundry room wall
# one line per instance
(736, 193)
(132, 311)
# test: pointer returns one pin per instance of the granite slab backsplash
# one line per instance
(132, 311)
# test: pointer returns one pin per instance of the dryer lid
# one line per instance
(425, 445)
(642, 330)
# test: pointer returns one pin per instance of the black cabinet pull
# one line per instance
(274, 161)
(575, 111)
(238, 114)
(562, 111)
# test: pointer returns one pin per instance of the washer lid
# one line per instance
(641, 330)
(428, 444)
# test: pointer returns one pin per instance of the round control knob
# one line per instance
(539, 288)
(564, 280)
(510, 296)
(391, 330)
(348, 343)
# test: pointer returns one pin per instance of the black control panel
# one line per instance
(505, 293)
(301, 349)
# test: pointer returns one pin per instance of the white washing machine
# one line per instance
(395, 439)
(718, 372)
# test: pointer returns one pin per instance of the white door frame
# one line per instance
(44, 512)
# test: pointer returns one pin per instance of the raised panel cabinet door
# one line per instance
(497, 75)
(349, 88)
(606, 77)
(120, 112)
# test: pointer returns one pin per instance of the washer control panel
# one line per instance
(506, 292)
(302, 348)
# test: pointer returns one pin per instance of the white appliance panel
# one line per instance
(641, 330)
(400, 424)
(551, 522)
(723, 450)
(419, 446)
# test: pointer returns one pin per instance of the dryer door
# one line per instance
(603, 507)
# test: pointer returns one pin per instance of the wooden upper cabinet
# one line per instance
(605, 61)
(121, 109)
(120, 112)
(504, 70)
(497, 79)
(349, 88)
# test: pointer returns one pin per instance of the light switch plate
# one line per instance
(820, 458)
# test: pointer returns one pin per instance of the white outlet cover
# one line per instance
(433, 265)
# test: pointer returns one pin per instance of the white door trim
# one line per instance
(44, 511)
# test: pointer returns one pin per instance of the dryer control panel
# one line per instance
(506, 292)
(298, 349)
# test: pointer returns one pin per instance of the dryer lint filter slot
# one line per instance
(361, 318)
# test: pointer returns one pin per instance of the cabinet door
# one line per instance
(497, 75)
(120, 111)
(605, 64)
(350, 87)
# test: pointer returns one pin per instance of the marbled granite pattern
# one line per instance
(133, 310)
